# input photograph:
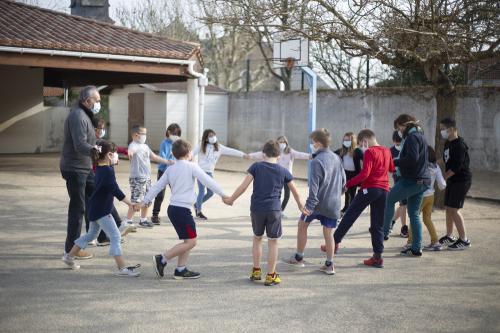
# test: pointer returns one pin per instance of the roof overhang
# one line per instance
(67, 68)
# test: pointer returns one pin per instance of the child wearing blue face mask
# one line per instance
(140, 156)
(209, 153)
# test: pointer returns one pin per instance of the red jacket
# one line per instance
(377, 163)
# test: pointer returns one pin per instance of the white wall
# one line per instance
(162, 109)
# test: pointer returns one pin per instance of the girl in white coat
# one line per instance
(209, 153)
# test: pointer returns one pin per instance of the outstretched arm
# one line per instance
(242, 188)
(158, 159)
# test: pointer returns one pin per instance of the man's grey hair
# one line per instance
(86, 93)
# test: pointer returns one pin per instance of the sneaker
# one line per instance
(410, 253)
(329, 270)
(186, 274)
(447, 240)
(379, 263)
(145, 224)
(459, 245)
(335, 249)
(404, 231)
(256, 275)
(155, 220)
(92, 243)
(82, 255)
(159, 266)
(433, 247)
(130, 271)
(126, 228)
(201, 216)
(406, 247)
(130, 224)
(272, 279)
(106, 242)
(70, 261)
(294, 262)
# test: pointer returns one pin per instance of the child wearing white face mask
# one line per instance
(286, 159)
(209, 153)
(401, 210)
(351, 156)
(99, 210)
(140, 156)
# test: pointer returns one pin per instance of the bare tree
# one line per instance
(160, 17)
(426, 35)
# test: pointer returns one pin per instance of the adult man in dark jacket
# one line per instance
(76, 165)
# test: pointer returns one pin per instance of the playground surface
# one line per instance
(440, 292)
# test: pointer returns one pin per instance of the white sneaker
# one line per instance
(70, 261)
(126, 228)
(129, 224)
(92, 243)
(433, 247)
(329, 270)
(130, 271)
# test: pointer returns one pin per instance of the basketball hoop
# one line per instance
(289, 63)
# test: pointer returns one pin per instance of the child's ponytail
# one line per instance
(103, 147)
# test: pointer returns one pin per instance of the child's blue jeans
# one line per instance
(202, 197)
(106, 223)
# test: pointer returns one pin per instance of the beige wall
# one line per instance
(26, 126)
(21, 88)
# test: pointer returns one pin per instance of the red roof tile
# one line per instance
(33, 27)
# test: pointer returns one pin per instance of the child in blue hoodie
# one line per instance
(173, 133)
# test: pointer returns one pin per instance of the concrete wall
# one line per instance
(257, 116)
(26, 125)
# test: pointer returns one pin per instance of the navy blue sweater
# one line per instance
(413, 160)
(106, 188)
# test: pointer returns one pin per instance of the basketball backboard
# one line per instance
(295, 48)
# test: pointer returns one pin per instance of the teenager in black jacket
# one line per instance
(412, 165)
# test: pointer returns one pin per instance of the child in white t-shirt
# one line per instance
(209, 153)
(140, 156)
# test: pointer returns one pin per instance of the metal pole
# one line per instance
(312, 80)
(248, 75)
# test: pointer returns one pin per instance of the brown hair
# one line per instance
(365, 134)
(403, 120)
(173, 129)
(285, 140)
(322, 136)
(271, 148)
(181, 148)
(354, 144)
(136, 129)
(431, 154)
(105, 147)
(204, 140)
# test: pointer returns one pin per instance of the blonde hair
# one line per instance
(354, 144)
(284, 139)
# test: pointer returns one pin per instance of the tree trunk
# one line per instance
(446, 105)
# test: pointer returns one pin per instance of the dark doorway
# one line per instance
(135, 111)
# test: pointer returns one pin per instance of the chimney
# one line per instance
(94, 9)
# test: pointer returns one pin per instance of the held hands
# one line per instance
(304, 210)
(345, 189)
(228, 200)
(246, 157)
